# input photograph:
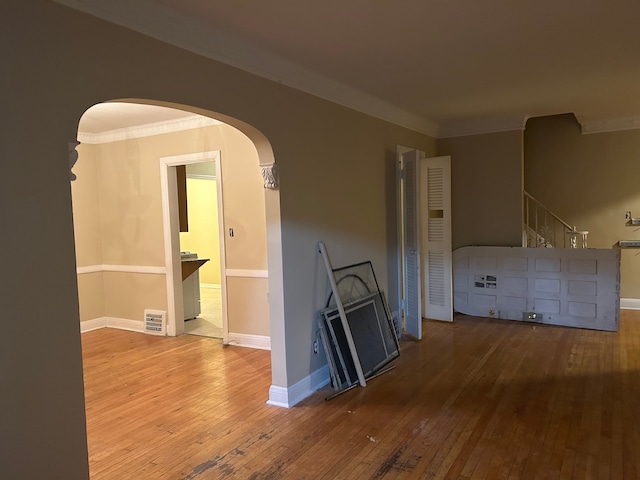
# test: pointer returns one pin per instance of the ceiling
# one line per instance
(106, 117)
(441, 67)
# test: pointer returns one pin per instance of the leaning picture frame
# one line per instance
(373, 335)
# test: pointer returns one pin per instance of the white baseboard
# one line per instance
(261, 342)
(210, 285)
(93, 324)
(630, 303)
(112, 322)
(287, 397)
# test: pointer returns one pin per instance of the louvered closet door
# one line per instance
(435, 233)
(411, 244)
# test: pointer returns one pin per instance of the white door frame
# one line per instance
(170, 227)
(403, 299)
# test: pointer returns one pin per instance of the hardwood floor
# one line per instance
(476, 399)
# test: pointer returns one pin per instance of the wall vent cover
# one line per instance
(154, 322)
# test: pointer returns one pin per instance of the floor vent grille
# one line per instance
(154, 322)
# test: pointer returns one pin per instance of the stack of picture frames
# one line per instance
(356, 327)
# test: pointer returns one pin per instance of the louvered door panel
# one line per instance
(435, 207)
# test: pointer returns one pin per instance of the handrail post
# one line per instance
(546, 237)
(536, 225)
(526, 203)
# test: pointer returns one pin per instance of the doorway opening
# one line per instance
(202, 290)
(197, 240)
(120, 251)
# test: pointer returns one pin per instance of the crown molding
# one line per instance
(480, 127)
(155, 20)
(608, 124)
(147, 130)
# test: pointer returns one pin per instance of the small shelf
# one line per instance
(191, 265)
(629, 243)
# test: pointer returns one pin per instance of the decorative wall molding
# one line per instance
(261, 342)
(480, 127)
(630, 303)
(270, 176)
(608, 124)
(112, 322)
(122, 269)
(237, 272)
(89, 269)
(148, 130)
(73, 158)
(287, 397)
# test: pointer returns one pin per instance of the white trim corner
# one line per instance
(288, 397)
(112, 322)
(93, 324)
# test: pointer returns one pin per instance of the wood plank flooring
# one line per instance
(476, 399)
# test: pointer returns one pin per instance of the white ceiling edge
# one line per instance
(155, 20)
(608, 124)
(147, 130)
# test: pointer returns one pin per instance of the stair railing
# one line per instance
(543, 228)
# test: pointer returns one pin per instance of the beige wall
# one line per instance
(130, 203)
(243, 197)
(590, 181)
(248, 317)
(486, 192)
(91, 295)
(86, 208)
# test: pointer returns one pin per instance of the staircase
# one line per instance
(544, 229)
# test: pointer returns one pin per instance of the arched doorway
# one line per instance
(273, 244)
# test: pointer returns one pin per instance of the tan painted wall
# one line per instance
(248, 317)
(126, 295)
(243, 196)
(86, 208)
(589, 181)
(203, 237)
(91, 295)
(130, 203)
(486, 192)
